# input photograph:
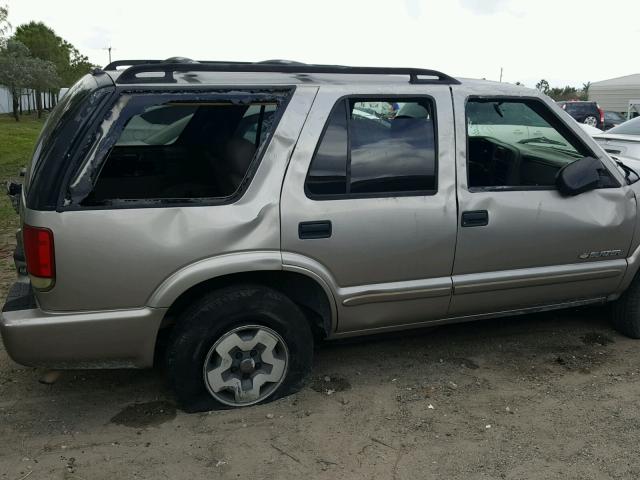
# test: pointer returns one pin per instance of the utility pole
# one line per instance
(109, 50)
(500, 72)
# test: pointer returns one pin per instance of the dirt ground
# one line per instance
(538, 397)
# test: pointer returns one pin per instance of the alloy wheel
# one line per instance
(246, 365)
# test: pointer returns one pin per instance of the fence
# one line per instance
(27, 100)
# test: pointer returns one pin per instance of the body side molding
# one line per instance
(533, 277)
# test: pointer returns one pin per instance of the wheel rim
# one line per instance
(246, 365)
(591, 121)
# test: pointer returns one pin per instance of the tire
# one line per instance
(626, 311)
(232, 328)
(591, 121)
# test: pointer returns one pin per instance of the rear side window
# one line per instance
(374, 147)
(184, 150)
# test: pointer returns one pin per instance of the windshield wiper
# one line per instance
(542, 140)
(628, 171)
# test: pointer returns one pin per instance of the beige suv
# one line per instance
(224, 216)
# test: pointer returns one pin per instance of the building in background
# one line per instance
(620, 94)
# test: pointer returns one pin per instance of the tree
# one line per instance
(15, 71)
(543, 86)
(584, 95)
(564, 93)
(77, 66)
(44, 44)
(4, 23)
(20, 71)
(43, 75)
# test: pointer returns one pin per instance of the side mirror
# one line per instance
(580, 176)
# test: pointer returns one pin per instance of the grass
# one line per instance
(17, 140)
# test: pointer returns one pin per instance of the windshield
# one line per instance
(631, 127)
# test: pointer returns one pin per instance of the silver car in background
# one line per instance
(622, 140)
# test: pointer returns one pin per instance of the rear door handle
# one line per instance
(316, 229)
(475, 218)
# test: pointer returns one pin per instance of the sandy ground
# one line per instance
(538, 397)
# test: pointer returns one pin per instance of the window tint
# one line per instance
(517, 143)
(373, 147)
(630, 127)
(580, 107)
(328, 171)
(183, 151)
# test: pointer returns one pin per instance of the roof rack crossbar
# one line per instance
(167, 70)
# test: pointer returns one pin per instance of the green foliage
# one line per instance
(564, 93)
(44, 44)
(4, 25)
(16, 144)
(78, 66)
(15, 67)
(543, 86)
(43, 75)
(19, 71)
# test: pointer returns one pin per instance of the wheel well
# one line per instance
(304, 291)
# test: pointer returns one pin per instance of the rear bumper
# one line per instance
(105, 339)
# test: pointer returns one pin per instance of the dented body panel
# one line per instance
(112, 258)
(532, 251)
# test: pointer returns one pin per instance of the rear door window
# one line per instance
(376, 147)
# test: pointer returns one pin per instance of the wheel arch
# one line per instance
(309, 291)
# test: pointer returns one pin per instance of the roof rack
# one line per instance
(129, 63)
(168, 68)
(184, 60)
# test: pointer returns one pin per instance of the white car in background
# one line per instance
(623, 140)
(631, 162)
(589, 129)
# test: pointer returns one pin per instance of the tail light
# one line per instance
(40, 256)
(601, 116)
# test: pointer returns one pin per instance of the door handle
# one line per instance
(316, 229)
(475, 218)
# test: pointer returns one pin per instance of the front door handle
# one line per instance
(316, 229)
(475, 218)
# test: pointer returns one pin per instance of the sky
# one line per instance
(567, 42)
